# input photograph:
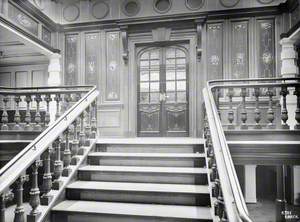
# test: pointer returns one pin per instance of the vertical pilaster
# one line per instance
(250, 184)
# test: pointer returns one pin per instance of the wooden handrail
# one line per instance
(252, 80)
(16, 167)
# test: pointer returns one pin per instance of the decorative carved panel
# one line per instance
(131, 7)
(229, 3)
(91, 58)
(239, 50)
(162, 6)
(71, 12)
(71, 64)
(265, 1)
(194, 4)
(215, 51)
(113, 69)
(46, 35)
(99, 10)
(266, 48)
(22, 19)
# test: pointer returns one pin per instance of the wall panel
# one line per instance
(71, 59)
(91, 58)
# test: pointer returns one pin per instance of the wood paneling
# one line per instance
(112, 66)
(71, 59)
(266, 47)
(239, 50)
(91, 58)
(215, 51)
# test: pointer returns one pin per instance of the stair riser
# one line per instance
(139, 197)
(142, 177)
(137, 161)
(150, 149)
(76, 217)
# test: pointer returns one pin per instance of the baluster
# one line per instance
(297, 112)
(47, 179)
(5, 114)
(37, 118)
(94, 120)
(34, 193)
(214, 172)
(217, 100)
(19, 211)
(57, 98)
(243, 109)
(27, 115)
(47, 99)
(284, 113)
(230, 112)
(216, 188)
(257, 115)
(75, 145)
(81, 135)
(87, 128)
(270, 112)
(67, 155)
(220, 201)
(58, 165)
(17, 116)
(67, 99)
(4, 197)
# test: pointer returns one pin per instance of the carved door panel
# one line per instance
(163, 92)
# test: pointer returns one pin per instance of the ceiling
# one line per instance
(14, 51)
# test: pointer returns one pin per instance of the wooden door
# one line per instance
(163, 91)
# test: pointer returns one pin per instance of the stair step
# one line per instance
(147, 159)
(140, 193)
(152, 141)
(180, 175)
(92, 211)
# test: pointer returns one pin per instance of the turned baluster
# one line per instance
(87, 128)
(216, 188)
(81, 135)
(47, 99)
(57, 99)
(27, 115)
(75, 145)
(58, 165)
(67, 155)
(217, 100)
(47, 179)
(220, 202)
(34, 200)
(284, 113)
(19, 210)
(297, 112)
(94, 120)
(5, 114)
(257, 114)
(37, 118)
(17, 117)
(214, 172)
(4, 197)
(243, 109)
(67, 99)
(270, 112)
(230, 112)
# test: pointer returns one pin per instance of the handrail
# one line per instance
(234, 201)
(15, 167)
(253, 79)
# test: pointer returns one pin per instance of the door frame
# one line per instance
(140, 49)
(196, 78)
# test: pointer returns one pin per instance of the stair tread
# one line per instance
(152, 141)
(264, 142)
(165, 155)
(141, 187)
(133, 209)
(183, 170)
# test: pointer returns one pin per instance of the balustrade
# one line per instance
(51, 153)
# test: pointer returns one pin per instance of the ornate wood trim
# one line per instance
(199, 26)
(124, 35)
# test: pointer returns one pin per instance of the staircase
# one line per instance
(139, 179)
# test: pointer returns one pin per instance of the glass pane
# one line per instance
(154, 86)
(180, 61)
(154, 76)
(181, 74)
(170, 86)
(170, 75)
(144, 76)
(145, 55)
(144, 97)
(170, 96)
(170, 62)
(154, 54)
(170, 53)
(180, 53)
(181, 96)
(154, 63)
(154, 97)
(144, 64)
(181, 85)
(144, 87)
